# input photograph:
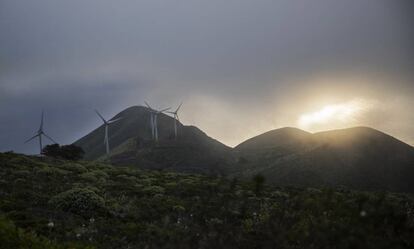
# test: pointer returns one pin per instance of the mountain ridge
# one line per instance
(192, 150)
(360, 157)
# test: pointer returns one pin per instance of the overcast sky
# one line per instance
(240, 67)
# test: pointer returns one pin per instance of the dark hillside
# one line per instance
(131, 144)
(361, 158)
(102, 206)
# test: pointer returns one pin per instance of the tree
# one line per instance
(258, 181)
(72, 152)
(51, 150)
(68, 152)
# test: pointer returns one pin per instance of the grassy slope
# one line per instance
(112, 207)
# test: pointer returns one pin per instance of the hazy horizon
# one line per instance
(240, 67)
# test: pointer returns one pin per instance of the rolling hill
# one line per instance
(131, 144)
(359, 157)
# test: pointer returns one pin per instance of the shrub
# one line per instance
(13, 237)
(68, 152)
(52, 150)
(72, 152)
(153, 190)
(81, 201)
(258, 181)
(74, 167)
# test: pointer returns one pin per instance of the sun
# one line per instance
(332, 116)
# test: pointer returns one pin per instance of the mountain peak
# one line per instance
(131, 143)
(282, 137)
(359, 135)
(359, 157)
(136, 109)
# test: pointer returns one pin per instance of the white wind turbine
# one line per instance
(176, 119)
(41, 133)
(152, 112)
(107, 123)
(154, 120)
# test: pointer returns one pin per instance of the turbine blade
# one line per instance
(30, 139)
(114, 120)
(147, 105)
(163, 110)
(179, 107)
(51, 139)
(100, 116)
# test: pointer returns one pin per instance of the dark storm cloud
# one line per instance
(255, 56)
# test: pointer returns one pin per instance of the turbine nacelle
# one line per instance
(176, 118)
(176, 111)
(106, 124)
(154, 111)
(154, 119)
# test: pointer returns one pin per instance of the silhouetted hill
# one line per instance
(132, 144)
(283, 137)
(360, 157)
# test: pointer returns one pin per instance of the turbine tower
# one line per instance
(152, 113)
(39, 134)
(176, 119)
(154, 120)
(107, 123)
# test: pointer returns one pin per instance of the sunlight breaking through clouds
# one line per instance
(335, 115)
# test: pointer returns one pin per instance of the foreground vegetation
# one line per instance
(63, 204)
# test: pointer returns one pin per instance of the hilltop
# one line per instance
(360, 157)
(132, 144)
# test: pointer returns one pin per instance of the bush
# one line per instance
(81, 201)
(72, 152)
(52, 150)
(12, 237)
(258, 181)
(68, 152)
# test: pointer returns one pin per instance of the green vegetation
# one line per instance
(68, 152)
(62, 204)
(13, 237)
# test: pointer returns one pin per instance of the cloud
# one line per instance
(252, 65)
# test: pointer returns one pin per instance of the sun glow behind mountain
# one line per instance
(335, 115)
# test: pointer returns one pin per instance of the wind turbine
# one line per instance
(107, 123)
(152, 112)
(154, 120)
(176, 119)
(39, 134)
